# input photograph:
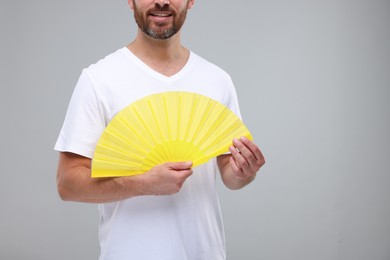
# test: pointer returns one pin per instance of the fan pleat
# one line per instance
(148, 127)
(198, 117)
(192, 105)
(121, 143)
(213, 124)
(110, 156)
(156, 119)
(170, 137)
(129, 130)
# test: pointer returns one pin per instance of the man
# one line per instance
(185, 221)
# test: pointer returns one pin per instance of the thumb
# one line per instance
(179, 165)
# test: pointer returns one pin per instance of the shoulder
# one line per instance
(109, 64)
(214, 81)
(208, 67)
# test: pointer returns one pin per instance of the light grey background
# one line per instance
(313, 79)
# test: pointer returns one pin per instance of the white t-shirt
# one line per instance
(184, 226)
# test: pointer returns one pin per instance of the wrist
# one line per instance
(132, 186)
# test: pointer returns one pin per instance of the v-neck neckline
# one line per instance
(155, 73)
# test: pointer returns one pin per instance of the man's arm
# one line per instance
(239, 168)
(74, 181)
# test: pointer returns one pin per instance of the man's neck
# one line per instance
(164, 56)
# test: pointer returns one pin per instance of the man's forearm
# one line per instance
(75, 183)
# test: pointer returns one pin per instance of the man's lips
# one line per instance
(160, 16)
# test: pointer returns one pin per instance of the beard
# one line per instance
(159, 31)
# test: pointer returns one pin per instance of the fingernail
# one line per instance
(243, 138)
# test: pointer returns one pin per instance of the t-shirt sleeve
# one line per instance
(84, 120)
(231, 100)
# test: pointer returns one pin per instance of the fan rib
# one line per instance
(152, 109)
(195, 102)
(168, 125)
(115, 152)
(202, 122)
(117, 138)
(113, 164)
(179, 111)
(110, 153)
(219, 119)
(133, 130)
(155, 119)
(145, 125)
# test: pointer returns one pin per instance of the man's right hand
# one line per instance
(166, 179)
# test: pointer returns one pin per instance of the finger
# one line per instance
(254, 163)
(253, 147)
(235, 168)
(179, 165)
(185, 173)
(246, 153)
(240, 161)
(254, 155)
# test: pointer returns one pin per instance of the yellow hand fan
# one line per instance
(165, 127)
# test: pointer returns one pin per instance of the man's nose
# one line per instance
(162, 2)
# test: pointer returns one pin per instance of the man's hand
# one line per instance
(240, 168)
(166, 179)
(246, 158)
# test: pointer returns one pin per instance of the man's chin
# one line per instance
(159, 35)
